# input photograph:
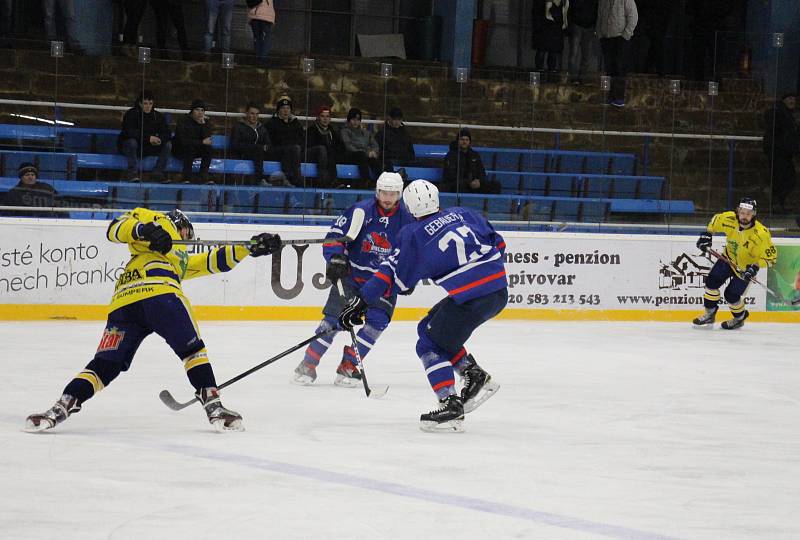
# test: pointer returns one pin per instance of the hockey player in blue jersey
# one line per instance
(374, 225)
(461, 252)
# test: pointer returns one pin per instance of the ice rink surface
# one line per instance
(599, 430)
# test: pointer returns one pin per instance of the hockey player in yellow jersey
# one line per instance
(748, 248)
(148, 298)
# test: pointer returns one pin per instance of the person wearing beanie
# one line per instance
(781, 143)
(29, 192)
(193, 140)
(288, 138)
(360, 147)
(396, 145)
(144, 133)
(323, 147)
(250, 140)
(463, 169)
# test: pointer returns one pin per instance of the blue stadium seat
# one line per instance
(162, 198)
(596, 163)
(566, 209)
(239, 199)
(500, 207)
(594, 211)
(535, 161)
(337, 201)
(533, 183)
(487, 157)
(447, 200)
(651, 187)
(506, 161)
(561, 185)
(570, 162)
(128, 195)
(198, 199)
(539, 209)
(271, 201)
(475, 202)
(432, 174)
(622, 164)
(509, 183)
(430, 151)
(625, 187)
(597, 186)
(302, 201)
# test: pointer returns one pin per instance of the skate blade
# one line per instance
(709, 326)
(486, 392)
(219, 425)
(346, 382)
(451, 426)
(30, 427)
(301, 380)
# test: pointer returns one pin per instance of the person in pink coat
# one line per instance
(262, 18)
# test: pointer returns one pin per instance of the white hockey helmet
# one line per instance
(389, 181)
(421, 198)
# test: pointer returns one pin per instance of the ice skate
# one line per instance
(706, 320)
(347, 375)
(736, 322)
(478, 386)
(448, 417)
(59, 412)
(304, 374)
(221, 418)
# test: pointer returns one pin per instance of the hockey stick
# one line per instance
(290, 242)
(376, 393)
(170, 402)
(738, 271)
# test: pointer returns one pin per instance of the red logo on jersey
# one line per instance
(376, 241)
(111, 339)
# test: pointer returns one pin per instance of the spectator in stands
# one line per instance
(781, 143)
(616, 21)
(395, 143)
(463, 168)
(144, 133)
(250, 140)
(170, 11)
(30, 192)
(221, 10)
(67, 9)
(288, 137)
(193, 140)
(323, 146)
(134, 10)
(262, 19)
(651, 31)
(360, 146)
(6, 23)
(551, 40)
(584, 49)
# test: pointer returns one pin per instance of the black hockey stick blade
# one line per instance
(170, 402)
(288, 242)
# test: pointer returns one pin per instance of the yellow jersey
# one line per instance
(150, 273)
(744, 246)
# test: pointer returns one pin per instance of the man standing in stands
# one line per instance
(616, 21)
(288, 137)
(193, 140)
(144, 133)
(324, 145)
(250, 140)
(30, 192)
(781, 139)
(463, 168)
(395, 143)
(360, 147)
(67, 9)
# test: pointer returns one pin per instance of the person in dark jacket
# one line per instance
(360, 147)
(463, 168)
(324, 146)
(30, 192)
(144, 133)
(551, 42)
(288, 138)
(250, 140)
(193, 140)
(781, 140)
(395, 143)
(584, 48)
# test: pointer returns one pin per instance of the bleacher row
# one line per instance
(540, 185)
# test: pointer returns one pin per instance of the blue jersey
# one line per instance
(455, 247)
(375, 241)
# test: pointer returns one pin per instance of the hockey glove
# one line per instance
(750, 272)
(704, 242)
(159, 239)
(264, 244)
(338, 267)
(353, 314)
